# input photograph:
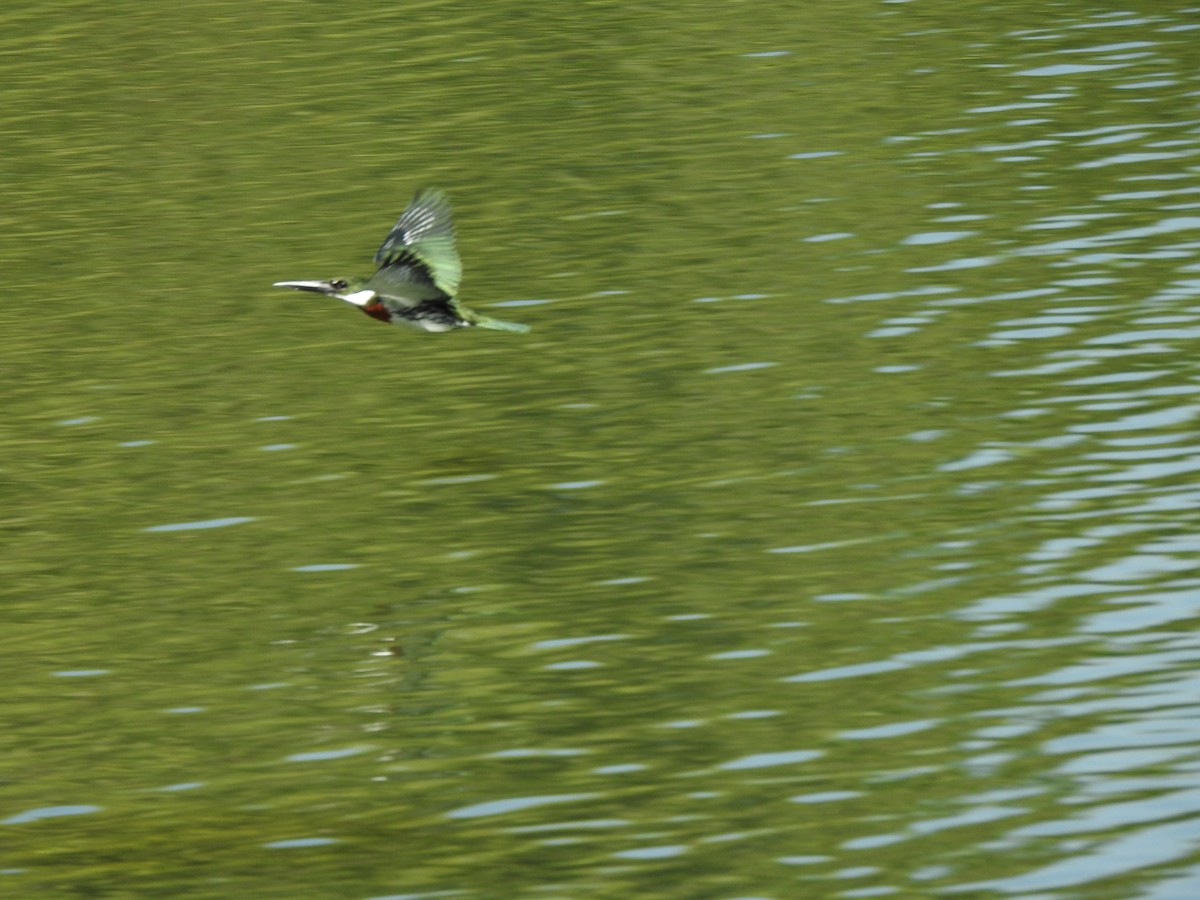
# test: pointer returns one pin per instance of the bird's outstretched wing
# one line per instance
(405, 285)
(424, 238)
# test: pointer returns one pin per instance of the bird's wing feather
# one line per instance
(424, 238)
(403, 286)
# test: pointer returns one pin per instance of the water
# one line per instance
(831, 535)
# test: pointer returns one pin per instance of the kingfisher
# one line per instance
(416, 283)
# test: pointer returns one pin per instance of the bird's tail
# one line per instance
(497, 325)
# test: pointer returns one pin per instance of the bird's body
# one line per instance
(418, 276)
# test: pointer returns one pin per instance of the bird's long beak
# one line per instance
(316, 287)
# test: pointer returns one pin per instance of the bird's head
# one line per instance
(352, 290)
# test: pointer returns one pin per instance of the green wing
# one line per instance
(404, 286)
(423, 238)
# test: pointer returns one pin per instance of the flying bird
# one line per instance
(416, 283)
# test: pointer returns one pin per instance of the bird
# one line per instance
(416, 283)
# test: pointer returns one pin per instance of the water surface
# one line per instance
(831, 535)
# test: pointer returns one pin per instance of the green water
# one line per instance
(832, 534)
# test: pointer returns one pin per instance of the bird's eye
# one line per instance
(338, 285)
